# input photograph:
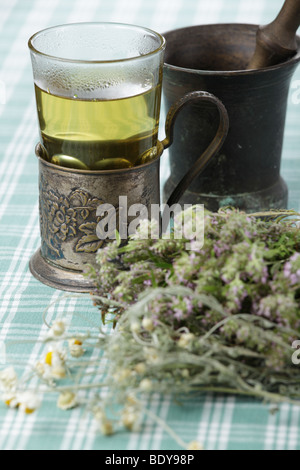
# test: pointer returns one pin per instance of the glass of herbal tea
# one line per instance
(98, 94)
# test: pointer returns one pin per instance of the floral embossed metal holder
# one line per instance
(68, 205)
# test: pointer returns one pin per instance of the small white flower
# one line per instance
(53, 366)
(185, 373)
(147, 324)
(45, 372)
(146, 385)
(107, 428)
(10, 400)
(28, 402)
(185, 340)
(58, 328)
(140, 368)
(58, 372)
(135, 327)
(60, 354)
(130, 418)
(67, 401)
(8, 379)
(75, 347)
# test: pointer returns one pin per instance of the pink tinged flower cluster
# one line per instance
(291, 270)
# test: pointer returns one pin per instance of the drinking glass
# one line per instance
(98, 94)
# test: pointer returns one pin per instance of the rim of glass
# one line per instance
(80, 61)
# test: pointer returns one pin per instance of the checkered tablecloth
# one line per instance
(219, 422)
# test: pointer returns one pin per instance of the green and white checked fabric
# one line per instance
(219, 422)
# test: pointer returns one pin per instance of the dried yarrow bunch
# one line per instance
(221, 318)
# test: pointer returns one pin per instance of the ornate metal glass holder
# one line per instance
(69, 199)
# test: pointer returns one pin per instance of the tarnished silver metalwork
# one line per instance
(69, 199)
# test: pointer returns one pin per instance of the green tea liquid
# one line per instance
(98, 134)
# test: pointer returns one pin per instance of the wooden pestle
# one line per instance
(276, 41)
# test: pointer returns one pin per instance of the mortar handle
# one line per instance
(276, 41)
(211, 150)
